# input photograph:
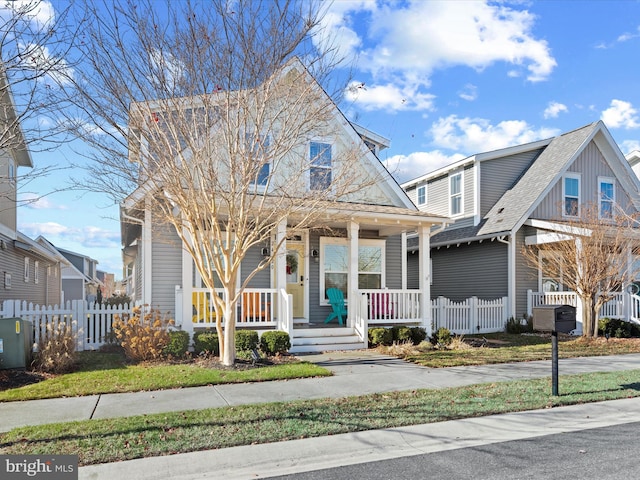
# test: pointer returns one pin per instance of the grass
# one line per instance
(109, 373)
(99, 441)
(506, 348)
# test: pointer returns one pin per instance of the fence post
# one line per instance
(474, 316)
(78, 320)
(529, 300)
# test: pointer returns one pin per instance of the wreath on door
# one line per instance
(292, 263)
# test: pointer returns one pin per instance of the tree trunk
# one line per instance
(228, 352)
(589, 324)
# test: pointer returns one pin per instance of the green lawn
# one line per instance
(109, 373)
(99, 441)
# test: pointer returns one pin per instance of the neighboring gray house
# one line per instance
(79, 276)
(504, 199)
(28, 272)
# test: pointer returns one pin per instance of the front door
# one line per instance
(295, 277)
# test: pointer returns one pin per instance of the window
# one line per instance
(571, 196)
(606, 197)
(7, 281)
(422, 195)
(26, 269)
(455, 194)
(36, 275)
(320, 171)
(550, 273)
(334, 269)
(12, 173)
(257, 146)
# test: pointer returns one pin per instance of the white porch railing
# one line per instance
(391, 306)
(470, 316)
(623, 305)
(256, 308)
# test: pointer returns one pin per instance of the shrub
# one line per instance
(617, 328)
(380, 336)
(246, 340)
(206, 342)
(143, 337)
(441, 337)
(401, 334)
(116, 300)
(418, 335)
(56, 349)
(178, 344)
(275, 342)
(519, 325)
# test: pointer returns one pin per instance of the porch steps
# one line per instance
(307, 340)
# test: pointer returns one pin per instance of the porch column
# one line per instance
(403, 260)
(425, 277)
(146, 255)
(285, 322)
(352, 278)
(187, 287)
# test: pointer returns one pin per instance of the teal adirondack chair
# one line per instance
(336, 299)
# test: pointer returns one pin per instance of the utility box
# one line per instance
(554, 318)
(16, 339)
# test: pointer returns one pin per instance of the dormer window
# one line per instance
(421, 194)
(571, 195)
(606, 197)
(320, 170)
(455, 194)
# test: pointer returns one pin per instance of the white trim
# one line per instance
(565, 177)
(26, 269)
(424, 199)
(476, 194)
(332, 169)
(611, 181)
(36, 275)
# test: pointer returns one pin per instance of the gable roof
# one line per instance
(19, 150)
(515, 206)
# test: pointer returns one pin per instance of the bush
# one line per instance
(519, 325)
(206, 342)
(246, 340)
(178, 344)
(143, 337)
(441, 337)
(617, 328)
(418, 335)
(401, 334)
(117, 300)
(56, 349)
(275, 342)
(380, 336)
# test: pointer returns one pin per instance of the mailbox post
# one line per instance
(554, 319)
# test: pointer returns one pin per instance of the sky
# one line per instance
(441, 80)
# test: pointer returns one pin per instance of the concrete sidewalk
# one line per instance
(355, 373)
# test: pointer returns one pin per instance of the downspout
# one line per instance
(511, 279)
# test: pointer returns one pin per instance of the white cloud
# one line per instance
(469, 93)
(554, 109)
(620, 114)
(407, 167)
(40, 12)
(625, 37)
(86, 237)
(38, 202)
(628, 146)
(474, 135)
(388, 97)
(406, 43)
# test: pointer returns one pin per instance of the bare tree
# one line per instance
(34, 43)
(205, 112)
(592, 255)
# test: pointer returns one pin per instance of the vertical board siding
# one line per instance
(393, 258)
(413, 269)
(317, 312)
(262, 279)
(500, 174)
(470, 270)
(591, 165)
(166, 269)
(526, 275)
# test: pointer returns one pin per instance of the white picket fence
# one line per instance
(470, 316)
(91, 322)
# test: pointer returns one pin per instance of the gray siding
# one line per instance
(166, 269)
(468, 199)
(262, 279)
(317, 312)
(72, 289)
(413, 269)
(393, 258)
(500, 174)
(438, 196)
(470, 270)
(590, 164)
(526, 276)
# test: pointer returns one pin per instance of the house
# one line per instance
(290, 295)
(28, 272)
(79, 274)
(502, 200)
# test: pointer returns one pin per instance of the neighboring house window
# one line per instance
(455, 194)
(606, 197)
(36, 274)
(550, 280)
(7, 281)
(26, 269)
(422, 195)
(12, 173)
(257, 146)
(320, 171)
(571, 196)
(334, 268)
